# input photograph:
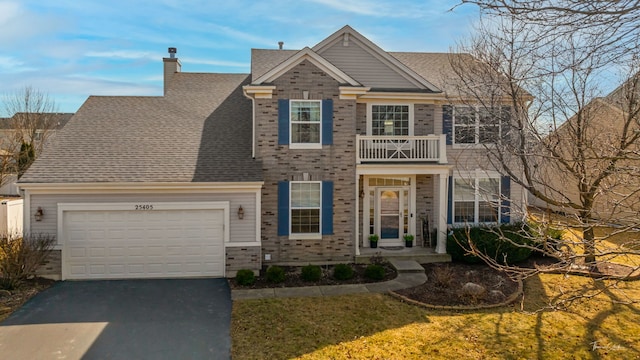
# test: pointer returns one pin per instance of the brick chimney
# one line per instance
(171, 66)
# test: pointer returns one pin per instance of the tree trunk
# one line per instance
(589, 245)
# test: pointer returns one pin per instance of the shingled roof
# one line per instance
(200, 131)
(57, 120)
(434, 67)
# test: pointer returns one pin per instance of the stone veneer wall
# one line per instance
(423, 119)
(334, 162)
(52, 267)
(245, 257)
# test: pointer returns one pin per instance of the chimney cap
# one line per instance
(172, 52)
(280, 44)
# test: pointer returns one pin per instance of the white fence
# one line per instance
(11, 217)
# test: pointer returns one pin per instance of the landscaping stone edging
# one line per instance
(512, 298)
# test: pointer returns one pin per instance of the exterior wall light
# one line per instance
(39, 214)
(240, 213)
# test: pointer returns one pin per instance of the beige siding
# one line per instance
(240, 230)
(364, 67)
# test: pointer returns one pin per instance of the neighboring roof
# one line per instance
(59, 119)
(200, 131)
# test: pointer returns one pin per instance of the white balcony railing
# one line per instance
(430, 148)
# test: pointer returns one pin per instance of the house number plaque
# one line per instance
(144, 207)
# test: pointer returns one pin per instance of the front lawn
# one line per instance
(377, 326)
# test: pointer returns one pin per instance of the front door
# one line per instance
(390, 224)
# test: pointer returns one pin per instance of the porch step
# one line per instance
(406, 266)
(419, 255)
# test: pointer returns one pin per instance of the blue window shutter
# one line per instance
(447, 122)
(283, 208)
(283, 121)
(450, 202)
(327, 122)
(327, 207)
(505, 195)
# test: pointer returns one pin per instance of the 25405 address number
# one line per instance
(144, 207)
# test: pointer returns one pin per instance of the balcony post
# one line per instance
(442, 153)
(358, 159)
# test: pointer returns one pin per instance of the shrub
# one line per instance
(374, 272)
(342, 272)
(507, 244)
(275, 274)
(311, 273)
(245, 277)
(20, 258)
(547, 239)
(443, 276)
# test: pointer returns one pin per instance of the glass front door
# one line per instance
(389, 214)
(392, 215)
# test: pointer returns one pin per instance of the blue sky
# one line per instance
(71, 49)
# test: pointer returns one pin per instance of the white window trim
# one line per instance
(305, 236)
(293, 145)
(475, 176)
(388, 103)
(476, 144)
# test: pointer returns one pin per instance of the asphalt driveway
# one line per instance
(122, 319)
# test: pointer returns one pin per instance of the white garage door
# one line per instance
(118, 244)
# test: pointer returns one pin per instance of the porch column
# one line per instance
(357, 215)
(441, 247)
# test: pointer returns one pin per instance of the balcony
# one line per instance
(430, 148)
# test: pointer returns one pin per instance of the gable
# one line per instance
(369, 64)
(306, 54)
(363, 66)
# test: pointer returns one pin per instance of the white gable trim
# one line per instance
(347, 34)
(315, 59)
(126, 187)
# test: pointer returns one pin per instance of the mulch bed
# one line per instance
(13, 299)
(445, 282)
(293, 278)
(444, 286)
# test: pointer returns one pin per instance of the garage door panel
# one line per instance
(138, 244)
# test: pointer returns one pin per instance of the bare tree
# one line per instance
(613, 24)
(575, 151)
(34, 119)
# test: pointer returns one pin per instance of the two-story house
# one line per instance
(296, 163)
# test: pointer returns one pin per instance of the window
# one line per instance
(305, 207)
(390, 120)
(475, 125)
(306, 119)
(476, 200)
(38, 135)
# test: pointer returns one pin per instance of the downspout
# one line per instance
(253, 123)
(357, 214)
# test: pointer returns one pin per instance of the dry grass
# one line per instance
(380, 327)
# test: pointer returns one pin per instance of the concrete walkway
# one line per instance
(410, 274)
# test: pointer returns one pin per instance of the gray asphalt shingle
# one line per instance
(199, 132)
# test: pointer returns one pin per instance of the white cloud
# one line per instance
(188, 60)
(8, 11)
(392, 9)
(123, 54)
(8, 63)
